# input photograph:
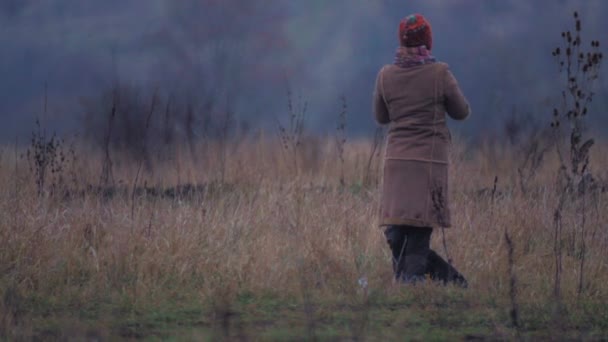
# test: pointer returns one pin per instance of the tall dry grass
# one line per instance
(271, 228)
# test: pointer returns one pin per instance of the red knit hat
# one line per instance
(415, 30)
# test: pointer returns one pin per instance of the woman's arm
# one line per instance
(455, 103)
(380, 110)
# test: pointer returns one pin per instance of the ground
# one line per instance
(265, 243)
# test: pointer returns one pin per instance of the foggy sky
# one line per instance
(248, 52)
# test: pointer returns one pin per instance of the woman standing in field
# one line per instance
(413, 95)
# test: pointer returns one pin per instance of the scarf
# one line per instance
(407, 57)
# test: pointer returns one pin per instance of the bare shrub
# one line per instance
(150, 126)
(291, 134)
(49, 158)
(580, 68)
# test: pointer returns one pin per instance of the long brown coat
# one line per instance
(414, 102)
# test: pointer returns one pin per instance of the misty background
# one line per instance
(243, 56)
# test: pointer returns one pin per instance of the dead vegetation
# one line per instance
(267, 228)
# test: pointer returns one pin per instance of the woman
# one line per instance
(413, 95)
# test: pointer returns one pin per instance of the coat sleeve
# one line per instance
(380, 109)
(456, 104)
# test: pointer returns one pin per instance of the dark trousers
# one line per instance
(413, 258)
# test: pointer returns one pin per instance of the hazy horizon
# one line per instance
(247, 54)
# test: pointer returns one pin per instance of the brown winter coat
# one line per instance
(414, 102)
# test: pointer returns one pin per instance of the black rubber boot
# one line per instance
(440, 270)
(395, 237)
(410, 247)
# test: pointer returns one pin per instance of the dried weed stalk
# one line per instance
(291, 135)
(581, 70)
(341, 138)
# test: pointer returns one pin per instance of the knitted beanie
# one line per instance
(415, 30)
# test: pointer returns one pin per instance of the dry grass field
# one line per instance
(268, 241)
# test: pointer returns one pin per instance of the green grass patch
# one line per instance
(409, 314)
